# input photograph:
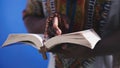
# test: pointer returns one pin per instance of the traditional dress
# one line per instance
(83, 14)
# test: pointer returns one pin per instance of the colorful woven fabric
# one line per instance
(75, 10)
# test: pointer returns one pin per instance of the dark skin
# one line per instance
(106, 46)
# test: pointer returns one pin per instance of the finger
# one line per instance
(55, 22)
(55, 26)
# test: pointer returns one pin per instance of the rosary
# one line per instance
(50, 31)
(52, 23)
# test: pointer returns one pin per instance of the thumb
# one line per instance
(55, 26)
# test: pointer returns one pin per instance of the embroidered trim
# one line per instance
(104, 15)
(91, 9)
(48, 7)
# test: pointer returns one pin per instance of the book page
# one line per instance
(91, 36)
(35, 39)
(87, 38)
(73, 38)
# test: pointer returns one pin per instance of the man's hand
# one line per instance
(57, 24)
(59, 27)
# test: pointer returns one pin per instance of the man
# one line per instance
(102, 47)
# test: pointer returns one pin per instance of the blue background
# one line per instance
(18, 55)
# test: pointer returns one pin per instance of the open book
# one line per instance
(87, 38)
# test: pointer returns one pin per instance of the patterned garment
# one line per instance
(42, 8)
(83, 14)
(34, 7)
(98, 11)
(75, 10)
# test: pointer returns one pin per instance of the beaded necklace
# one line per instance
(48, 8)
(49, 24)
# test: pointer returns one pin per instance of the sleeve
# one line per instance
(34, 23)
(110, 43)
(33, 16)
